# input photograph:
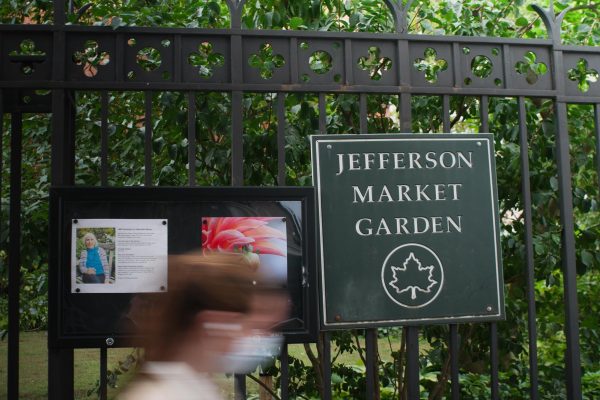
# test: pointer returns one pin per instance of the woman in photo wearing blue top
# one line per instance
(93, 262)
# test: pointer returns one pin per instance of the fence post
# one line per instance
(60, 361)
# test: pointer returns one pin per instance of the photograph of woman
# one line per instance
(93, 262)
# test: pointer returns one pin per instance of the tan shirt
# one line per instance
(171, 381)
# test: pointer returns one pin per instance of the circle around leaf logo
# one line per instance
(397, 275)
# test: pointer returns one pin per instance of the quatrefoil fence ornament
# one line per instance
(530, 68)
(582, 75)
(374, 63)
(27, 55)
(90, 58)
(430, 65)
(206, 60)
(266, 61)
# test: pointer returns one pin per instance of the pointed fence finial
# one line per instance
(235, 11)
(399, 11)
(552, 21)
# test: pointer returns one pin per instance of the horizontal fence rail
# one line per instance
(98, 58)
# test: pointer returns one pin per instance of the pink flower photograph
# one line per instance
(262, 240)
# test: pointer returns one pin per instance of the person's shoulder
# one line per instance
(144, 390)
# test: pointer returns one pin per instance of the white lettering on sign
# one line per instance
(404, 161)
(406, 193)
(408, 226)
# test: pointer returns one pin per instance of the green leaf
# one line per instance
(587, 258)
(521, 21)
(296, 22)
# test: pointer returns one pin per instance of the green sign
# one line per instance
(408, 229)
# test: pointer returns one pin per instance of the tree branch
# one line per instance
(268, 389)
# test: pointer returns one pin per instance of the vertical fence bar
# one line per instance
(494, 381)
(104, 138)
(454, 372)
(371, 364)
(239, 387)
(60, 360)
(412, 362)
(363, 113)
(14, 258)
(573, 360)
(322, 113)
(446, 113)
(191, 138)
(597, 130)
(326, 363)
(148, 139)
(494, 361)
(370, 334)
(237, 149)
(405, 113)
(103, 372)
(484, 114)
(281, 138)
(285, 372)
(529, 262)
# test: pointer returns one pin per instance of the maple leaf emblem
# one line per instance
(416, 281)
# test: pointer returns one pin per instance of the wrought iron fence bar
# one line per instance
(596, 129)
(412, 362)
(529, 261)
(578, 99)
(14, 258)
(371, 362)
(300, 88)
(326, 365)
(506, 64)
(294, 60)
(322, 113)
(404, 64)
(103, 373)
(454, 352)
(177, 58)
(446, 113)
(148, 139)
(405, 112)
(283, 33)
(494, 381)
(60, 13)
(285, 372)
(60, 360)
(572, 356)
(104, 138)
(456, 62)
(120, 55)
(363, 113)
(239, 387)
(575, 49)
(281, 172)
(484, 114)
(191, 156)
(237, 146)
(348, 71)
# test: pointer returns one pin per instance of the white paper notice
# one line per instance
(119, 255)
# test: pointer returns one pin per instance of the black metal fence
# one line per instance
(52, 66)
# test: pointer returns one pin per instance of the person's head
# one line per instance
(90, 240)
(210, 304)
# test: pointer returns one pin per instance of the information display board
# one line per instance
(408, 229)
(110, 244)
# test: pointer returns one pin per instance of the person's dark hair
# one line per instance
(218, 282)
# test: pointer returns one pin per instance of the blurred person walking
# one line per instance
(213, 319)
